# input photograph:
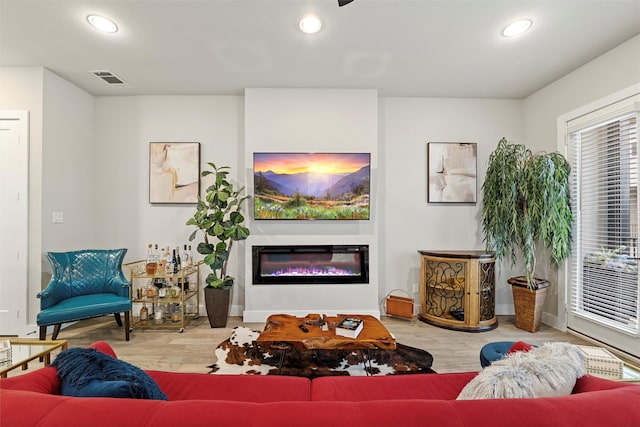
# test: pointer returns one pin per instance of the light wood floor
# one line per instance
(193, 349)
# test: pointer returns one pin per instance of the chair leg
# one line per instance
(118, 318)
(126, 326)
(56, 331)
(43, 333)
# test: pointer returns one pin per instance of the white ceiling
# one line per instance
(424, 48)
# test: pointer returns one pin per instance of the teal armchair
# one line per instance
(85, 284)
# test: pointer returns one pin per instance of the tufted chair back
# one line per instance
(85, 272)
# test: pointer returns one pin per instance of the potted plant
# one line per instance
(526, 202)
(218, 217)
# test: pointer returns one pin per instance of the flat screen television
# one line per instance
(311, 186)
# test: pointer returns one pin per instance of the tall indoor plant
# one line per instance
(218, 217)
(526, 201)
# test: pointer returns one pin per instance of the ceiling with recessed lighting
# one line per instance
(426, 48)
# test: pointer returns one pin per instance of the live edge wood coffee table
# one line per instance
(283, 331)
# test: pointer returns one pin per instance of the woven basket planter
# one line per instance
(528, 303)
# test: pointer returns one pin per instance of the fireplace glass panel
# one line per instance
(310, 264)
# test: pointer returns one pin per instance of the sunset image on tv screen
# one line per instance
(311, 185)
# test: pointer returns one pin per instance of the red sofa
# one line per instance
(228, 400)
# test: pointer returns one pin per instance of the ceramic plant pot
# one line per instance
(217, 304)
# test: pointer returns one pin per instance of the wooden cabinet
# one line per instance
(166, 309)
(457, 290)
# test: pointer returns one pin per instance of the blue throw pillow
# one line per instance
(99, 388)
(85, 372)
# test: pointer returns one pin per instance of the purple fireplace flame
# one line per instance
(314, 271)
(321, 264)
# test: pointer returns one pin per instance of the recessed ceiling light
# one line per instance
(102, 23)
(517, 28)
(310, 24)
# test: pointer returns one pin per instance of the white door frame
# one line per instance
(14, 222)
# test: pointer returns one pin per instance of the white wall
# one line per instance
(124, 128)
(312, 120)
(408, 222)
(68, 167)
(615, 70)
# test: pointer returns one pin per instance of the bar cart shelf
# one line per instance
(167, 311)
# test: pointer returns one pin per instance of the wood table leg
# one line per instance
(283, 347)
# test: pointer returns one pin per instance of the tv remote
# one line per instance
(304, 328)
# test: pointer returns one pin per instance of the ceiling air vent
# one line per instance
(109, 78)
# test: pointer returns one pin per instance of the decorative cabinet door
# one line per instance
(457, 289)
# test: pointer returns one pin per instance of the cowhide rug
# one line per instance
(240, 355)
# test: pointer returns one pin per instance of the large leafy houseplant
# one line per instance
(218, 217)
(526, 201)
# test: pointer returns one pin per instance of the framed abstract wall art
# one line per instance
(174, 172)
(452, 172)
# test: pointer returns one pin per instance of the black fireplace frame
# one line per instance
(360, 252)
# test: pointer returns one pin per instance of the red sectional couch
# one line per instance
(228, 400)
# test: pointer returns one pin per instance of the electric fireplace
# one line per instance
(313, 264)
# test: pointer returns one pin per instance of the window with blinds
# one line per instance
(604, 264)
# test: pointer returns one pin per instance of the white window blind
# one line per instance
(604, 263)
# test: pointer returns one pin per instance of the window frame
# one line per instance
(591, 114)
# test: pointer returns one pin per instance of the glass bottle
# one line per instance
(156, 253)
(184, 259)
(144, 314)
(162, 261)
(175, 316)
(190, 252)
(178, 258)
(158, 316)
(175, 290)
(150, 290)
(169, 264)
(151, 262)
(174, 262)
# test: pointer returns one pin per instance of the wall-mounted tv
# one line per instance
(311, 186)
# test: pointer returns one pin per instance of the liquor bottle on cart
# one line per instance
(152, 262)
(175, 315)
(184, 259)
(151, 291)
(162, 261)
(144, 314)
(168, 267)
(174, 262)
(178, 258)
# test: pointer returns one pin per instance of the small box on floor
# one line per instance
(600, 362)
